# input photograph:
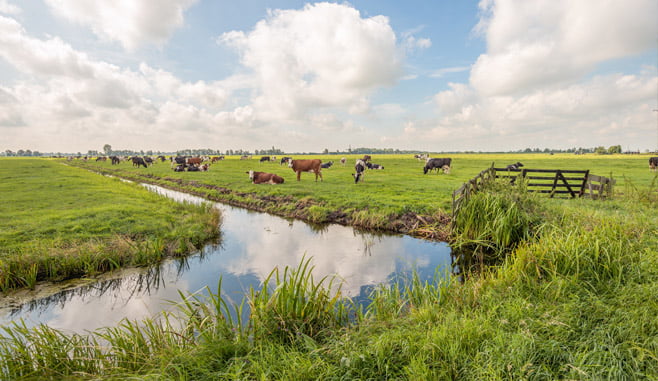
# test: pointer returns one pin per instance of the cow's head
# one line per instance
(425, 169)
(251, 175)
(290, 163)
(446, 169)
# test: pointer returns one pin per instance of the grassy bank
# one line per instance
(391, 199)
(574, 298)
(59, 222)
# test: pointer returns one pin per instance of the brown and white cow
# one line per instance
(196, 161)
(306, 165)
(264, 178)
(343, 161)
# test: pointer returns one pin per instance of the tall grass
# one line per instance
(492, 222)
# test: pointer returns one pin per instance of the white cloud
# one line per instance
(324, 55)
(7, 8)
(539, 43)
(448, 70)
(132, 23)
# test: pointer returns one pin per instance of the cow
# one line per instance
(264, 158)
(148, 160)
(374, 166)
(366, 158)
(115, 159)
(306, 165)
(216, 158)
(180, 168)
(245, 157)
(178, 160)
(360, 169)
(422, 156)
(195, 161)
(137, 161)
(264, 178)
(327, 165)
(437, 164)
(343, 161)
(653, 163)
(161, 158)
(285, 159)
(101, 158)
(516, 165)
(193, 168)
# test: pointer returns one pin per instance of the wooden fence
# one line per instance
(570, 183)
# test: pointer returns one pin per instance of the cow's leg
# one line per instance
(299, 173)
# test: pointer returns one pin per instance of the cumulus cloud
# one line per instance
(7, 8)
(537, 43)
(324, 55)
(132, 23)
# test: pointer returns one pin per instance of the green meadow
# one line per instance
(59, 222)
(563, 289)
(388, 199)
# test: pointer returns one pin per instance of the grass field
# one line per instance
(388, 199)
(58, 222)
(574, 296)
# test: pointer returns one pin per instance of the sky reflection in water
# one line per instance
(252, 245)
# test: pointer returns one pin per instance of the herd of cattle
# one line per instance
(202, 164)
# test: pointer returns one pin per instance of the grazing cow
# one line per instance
(422, 156)
(285, 160)
(137, 161)
(516, 165)
(366, 158)
(327, 165)
(161, 158)
(148, 160)
(374, 166)
(264, 178)
(178, 160)
(101, 158)
(653, 163)
(437, 164)
(360, 168)
(115, 159)
(195, 161)
(307, 165)
(343, 161)
(264, 158)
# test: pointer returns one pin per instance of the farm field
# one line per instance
(575, 298)
(388, 199)
(58, 222)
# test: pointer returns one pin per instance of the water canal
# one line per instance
(252, 244)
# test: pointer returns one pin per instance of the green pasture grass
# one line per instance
(58, 221)
(398, 190)
(576, 301)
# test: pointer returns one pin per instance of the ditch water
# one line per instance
(252, 244)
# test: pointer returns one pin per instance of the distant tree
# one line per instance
(326, 151)
(614, 149)
(28, 152)
(9, 152)
(107, 149)
(600, 150)
(20, 152)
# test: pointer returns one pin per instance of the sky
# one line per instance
(167, 75)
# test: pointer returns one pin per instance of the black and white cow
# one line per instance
(360, 169)
(516, 165)
(437, 164)
(327, 164)
(653, 163)
(264, 158)
(374, 166)
(137, 161)
(285, 160)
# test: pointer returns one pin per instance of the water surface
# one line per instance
(251, 245)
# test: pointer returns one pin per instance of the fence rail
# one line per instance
(567, 182)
